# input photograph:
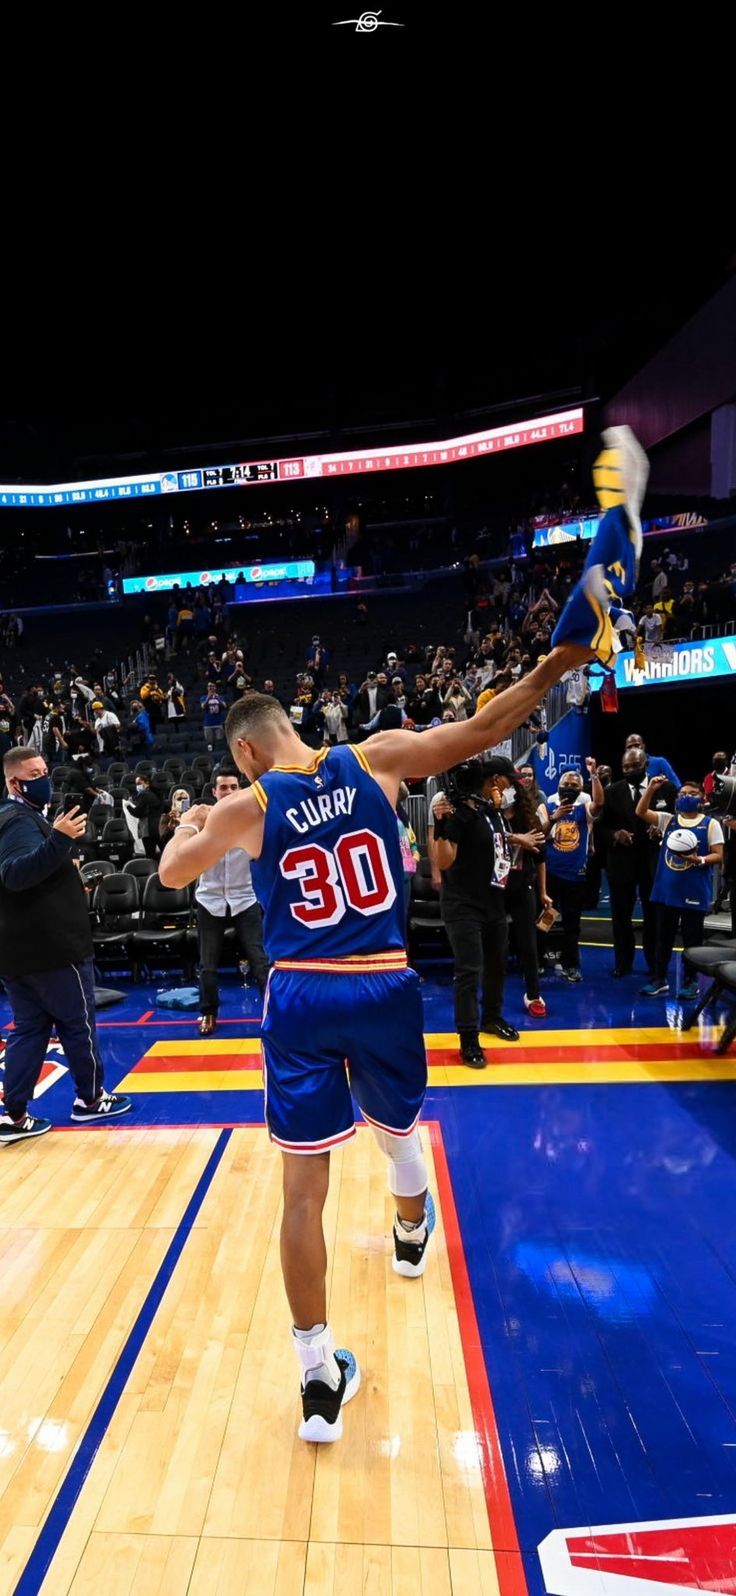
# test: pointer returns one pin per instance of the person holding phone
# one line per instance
(224, 895)
(571, 816)
(146, 809)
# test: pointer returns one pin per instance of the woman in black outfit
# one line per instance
(526, 886)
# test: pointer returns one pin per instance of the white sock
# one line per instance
(411, 1229)
(315, 1350)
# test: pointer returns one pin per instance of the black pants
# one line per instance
(521, 907)
(568, 897)
(692, 922)
(249, 937)
(624, 889)
(479, 950)
(64, 998)
(150, 847)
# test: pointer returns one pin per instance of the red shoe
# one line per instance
(536, 1007)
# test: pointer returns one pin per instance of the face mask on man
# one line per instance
(719, 765)
(37, 791)
(508, 798)
(569, 792)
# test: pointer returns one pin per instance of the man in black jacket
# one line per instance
(631, 859)
(45, 952)
(146, 807)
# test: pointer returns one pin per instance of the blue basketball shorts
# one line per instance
(330, 1037)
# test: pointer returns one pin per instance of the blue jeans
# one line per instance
(64, 998)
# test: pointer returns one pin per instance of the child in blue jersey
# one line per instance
(683, 884)
(321, 831)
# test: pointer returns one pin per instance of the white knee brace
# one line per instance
(407, 1170)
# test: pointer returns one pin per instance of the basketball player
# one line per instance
(320, 829)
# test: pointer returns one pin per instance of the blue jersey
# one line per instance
(677, 883)
(330, 876)
(567, 843)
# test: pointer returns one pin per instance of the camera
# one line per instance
(723, 797)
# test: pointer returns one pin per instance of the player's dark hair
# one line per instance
(252, 716)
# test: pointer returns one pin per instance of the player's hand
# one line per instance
(73, 824)
(623, 838)
(195, 816)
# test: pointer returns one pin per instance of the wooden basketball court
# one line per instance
(148, 1432)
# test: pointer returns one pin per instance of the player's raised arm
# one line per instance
(205, 833)
(401, 753)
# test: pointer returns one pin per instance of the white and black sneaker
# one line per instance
(410, 1256)
(322, 1405)
(107, 1106)
(21, 1130)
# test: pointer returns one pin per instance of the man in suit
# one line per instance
(631, 859)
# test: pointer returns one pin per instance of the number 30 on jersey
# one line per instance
(356, 876)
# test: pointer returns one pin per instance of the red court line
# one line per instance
(145, 1017)
(164, 1020)
(509, 1564)
(199, 1064)
(581, 1053)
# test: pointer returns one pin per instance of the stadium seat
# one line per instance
(115, 904)
(116, 770)
(162, 932)
(117, 842)
(174, 764)
(140, 869)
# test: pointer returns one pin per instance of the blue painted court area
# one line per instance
(599, 1229)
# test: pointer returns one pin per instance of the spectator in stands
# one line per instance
(146, 809)
(683, 895)
(688, 610)
(576, 683)
(572, 814)
(107, 729)
(719, 768)
(456, 698)
(318, 659)
(656, 765)
(175, 700)
(81, 788)
(225, 896)
(170, 817)
(631, 861)
(346, 691)
(372, 695)
(139, 734)
(526, 886)
(423, 701)
(651, 627)
(394, 667)
(665, 606)
(214, 709)
(529, 783)
(236, 678)
(152, 698)
(184, 627)
(471, 682)
(331, 716)
(268, 687)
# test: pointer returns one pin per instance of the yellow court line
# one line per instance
(598, 1037)
(250, 1046)
(194, 1081)
(207, 1049)
(583, 1074)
